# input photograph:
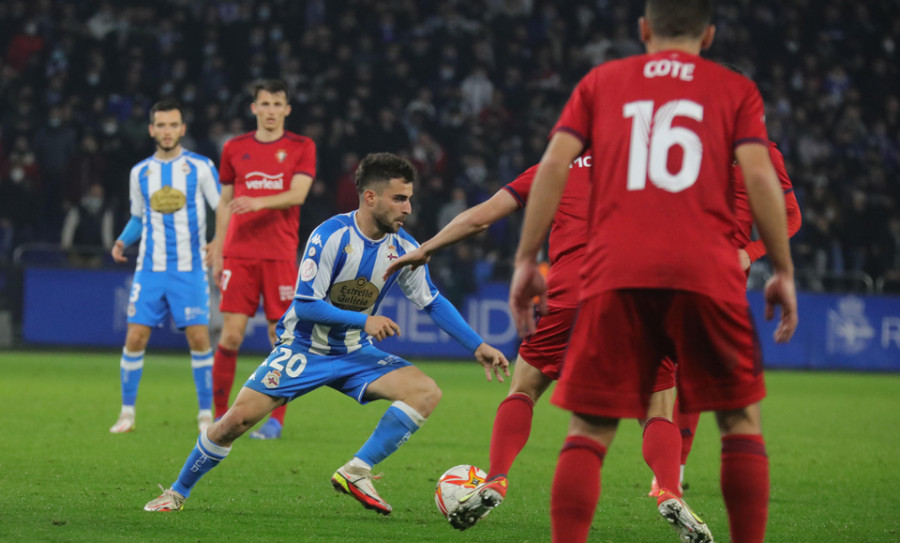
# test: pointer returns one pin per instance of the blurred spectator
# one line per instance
(87, 232)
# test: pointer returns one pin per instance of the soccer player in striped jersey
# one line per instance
(169, 192)
(326, 337)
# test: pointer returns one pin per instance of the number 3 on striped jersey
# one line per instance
(652, 135)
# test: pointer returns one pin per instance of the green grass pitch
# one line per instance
(833, 440)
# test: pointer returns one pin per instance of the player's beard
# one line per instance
(175, 145)
(385, 224)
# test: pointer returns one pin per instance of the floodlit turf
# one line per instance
(832, 439)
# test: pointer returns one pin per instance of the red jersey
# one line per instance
(256, 168)
(662, 129)
(568, 233)
(741, 238)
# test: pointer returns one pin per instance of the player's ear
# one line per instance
(708, 35)
(644, 29)
(287, 110)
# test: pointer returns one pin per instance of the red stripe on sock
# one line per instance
(744, 444)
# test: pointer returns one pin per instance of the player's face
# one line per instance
(167, 129)
(392, 206)
(270, 110)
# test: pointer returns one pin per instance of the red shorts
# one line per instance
(545, 349)
(245, 279)
(621, 337)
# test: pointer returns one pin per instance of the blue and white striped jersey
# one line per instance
(345, 268)
(168, 197)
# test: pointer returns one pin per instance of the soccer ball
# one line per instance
(455, 483)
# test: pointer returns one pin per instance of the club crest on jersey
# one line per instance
(272, 379)
(348, 249)
(167, 200)
(355, 295)
(281, 154)
(186, 168)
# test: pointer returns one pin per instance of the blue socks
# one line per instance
(205, 456)
(201, 366)
(131, 367)
(394, 429)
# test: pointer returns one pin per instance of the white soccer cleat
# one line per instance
(357, 482)
(204, 420)
(690, 527)
(169, 500)
(124, 424)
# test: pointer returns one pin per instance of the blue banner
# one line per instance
(87, 307)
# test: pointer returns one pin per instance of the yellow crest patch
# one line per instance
(167, 200)
(354, 295)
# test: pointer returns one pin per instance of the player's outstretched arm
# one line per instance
(493, 361)
(472, 221)
(295, 196)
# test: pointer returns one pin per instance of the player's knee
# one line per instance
(231, 339)
(430, 395)
(136, 340)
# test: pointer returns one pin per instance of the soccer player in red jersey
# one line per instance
(748, 252)
(541, 355)
(265, 175)
(661, 276)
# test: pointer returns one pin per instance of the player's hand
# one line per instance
(527, 282)
(744, 259)
(493, 361)
(244, 204)
(780, 291)
(413, 259)
(381, 327)
(117, 249)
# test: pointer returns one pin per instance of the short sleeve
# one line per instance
(226, 171)
(317, 267)
(520, 187)
(751, 120)
(134, 191)
(307, 163)
(576, 118)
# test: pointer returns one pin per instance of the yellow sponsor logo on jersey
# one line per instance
(355, 295)
(167, 200)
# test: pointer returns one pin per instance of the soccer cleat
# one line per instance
(690, 527)
(475, 505)
(270, 430)
(654, 489)
(358, 483)
(204, 420)
(169, 500)
(124, 424)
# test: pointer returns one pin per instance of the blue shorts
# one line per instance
(291, 371)
(184, 295)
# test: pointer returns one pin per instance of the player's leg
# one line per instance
(512, 427)
(414, 396)
(744, 473)
(213, 446)
(576, 482)
(661, 445)
(687, 424)
(131, 368)
(225, 359)
(720, 370)
(278, 277)
(239, 299)
(201, 366)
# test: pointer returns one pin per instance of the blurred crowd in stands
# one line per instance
(467, 89)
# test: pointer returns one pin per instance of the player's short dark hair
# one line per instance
(678, 18)
(381, 168)
(166, 104)
(273, 86)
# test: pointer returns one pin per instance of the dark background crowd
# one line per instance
(467, 89)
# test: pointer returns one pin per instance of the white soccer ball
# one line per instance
(455, 483)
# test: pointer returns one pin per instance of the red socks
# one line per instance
(512, 426)
(687, 422)
(576, 489)
(661, 446)
(745, 486)
(278, 414)
(224, 364)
